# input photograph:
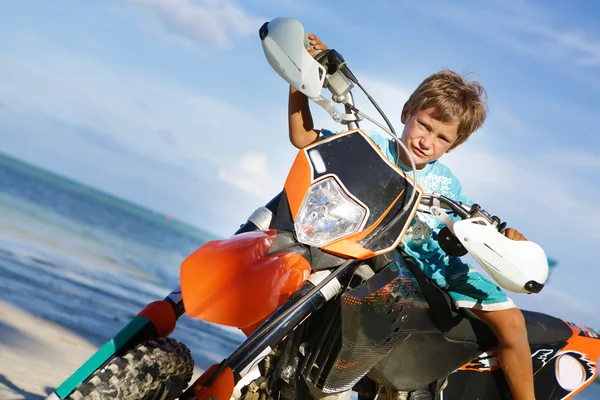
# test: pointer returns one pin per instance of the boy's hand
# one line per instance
(514, 234)
(315, 44)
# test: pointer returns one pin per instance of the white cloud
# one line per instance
(250, 174)
(139, 128)
(522, 27)
(191, 22)
(586, 49)
(512, 122)
(390, 97)
(574, 159)
(165, 121)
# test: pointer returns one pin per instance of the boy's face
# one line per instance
(426, 138)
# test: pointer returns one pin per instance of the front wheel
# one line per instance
(154, 370)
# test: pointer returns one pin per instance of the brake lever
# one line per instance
(334, 112)
(446, 204)
(477, 211)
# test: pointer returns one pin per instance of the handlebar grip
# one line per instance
(475, 208)
(502, 228)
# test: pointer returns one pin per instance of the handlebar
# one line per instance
(464, 211)
(436, 199)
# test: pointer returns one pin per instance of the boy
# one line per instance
(438, 117)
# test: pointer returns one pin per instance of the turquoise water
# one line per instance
(90, 261)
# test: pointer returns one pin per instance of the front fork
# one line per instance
(241, 367)
(156, 320)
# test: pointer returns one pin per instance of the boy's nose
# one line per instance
(425, 142)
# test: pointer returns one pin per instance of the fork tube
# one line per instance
(348, 107)
(290, 314)
(270, 337)
(287, 317)
(176, 301)
(263, 339)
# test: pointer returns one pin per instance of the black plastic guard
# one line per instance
(376, 317)
(421, 360)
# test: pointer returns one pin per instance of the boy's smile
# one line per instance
(426, 138)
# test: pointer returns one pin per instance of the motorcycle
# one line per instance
(329, 301)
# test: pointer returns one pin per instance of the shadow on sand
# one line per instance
(17, 390)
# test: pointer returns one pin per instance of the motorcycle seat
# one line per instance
(542, 329)
(457, 325)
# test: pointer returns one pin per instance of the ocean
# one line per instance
(90, 261)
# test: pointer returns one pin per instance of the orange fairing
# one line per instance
(297, 183)
(221, 388)
(232, 282)
(305, 173)
(586, 343)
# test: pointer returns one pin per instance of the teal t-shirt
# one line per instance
(420, 241)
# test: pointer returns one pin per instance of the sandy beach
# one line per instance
(75, 266)
(36, 354)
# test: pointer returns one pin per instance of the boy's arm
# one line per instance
(300, 122)
(301, 127)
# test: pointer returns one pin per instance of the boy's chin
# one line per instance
(420, 162)
(419, 159)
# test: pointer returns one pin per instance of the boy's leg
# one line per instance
(514, 353)
(471, 290)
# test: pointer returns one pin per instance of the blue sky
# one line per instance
(172, 105)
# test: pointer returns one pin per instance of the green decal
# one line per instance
(101, 356)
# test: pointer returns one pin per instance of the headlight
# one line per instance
(327, 214)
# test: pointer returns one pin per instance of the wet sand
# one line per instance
(37, 355)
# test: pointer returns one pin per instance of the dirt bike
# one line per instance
(330, 303)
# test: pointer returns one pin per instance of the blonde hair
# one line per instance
(451, 99)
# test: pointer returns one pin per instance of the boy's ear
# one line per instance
(404, 115)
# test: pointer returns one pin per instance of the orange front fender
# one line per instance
(232, 282)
